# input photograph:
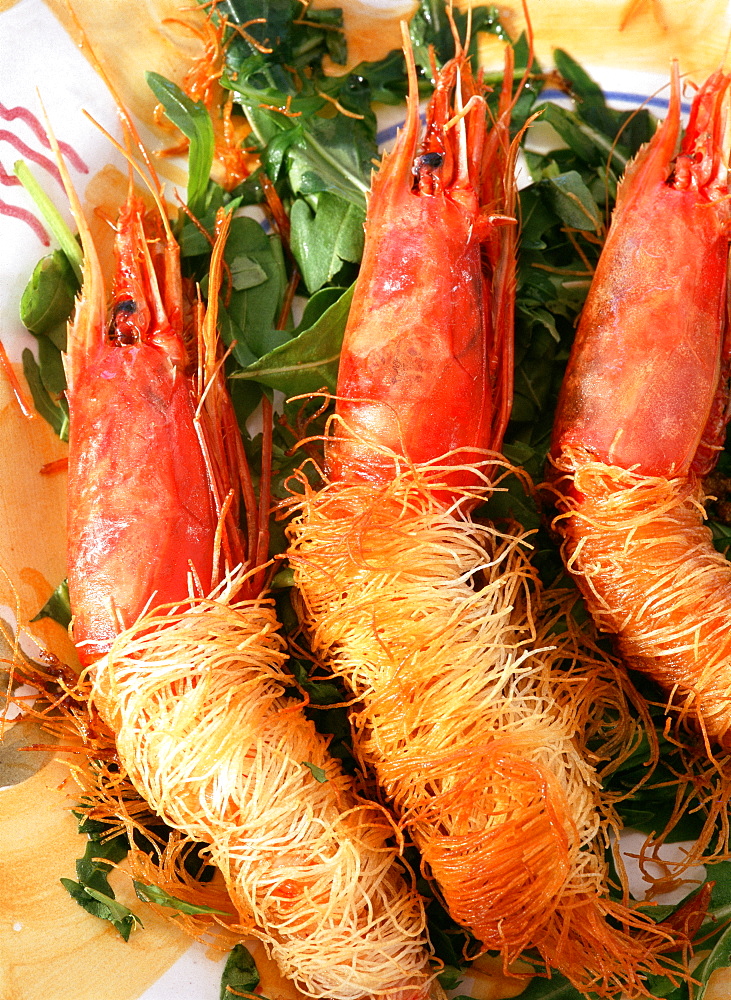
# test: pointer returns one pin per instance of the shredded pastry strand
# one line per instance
(208, 735)
(486, 716)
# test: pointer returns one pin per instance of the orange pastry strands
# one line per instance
(184, 654)
(641, 419)
(477, 711)
(474, 709)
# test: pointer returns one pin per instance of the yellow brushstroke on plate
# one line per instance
(32, 515)
(49, 946)
(130, 39)
(639, 35)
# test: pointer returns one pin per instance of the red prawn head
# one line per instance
(426, 364)
(646, 386)
(147, 296)
(141, 521)
(156, 464)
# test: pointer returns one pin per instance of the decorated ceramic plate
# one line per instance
(49, 946)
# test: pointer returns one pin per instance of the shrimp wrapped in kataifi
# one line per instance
(475, 705)
(184, 653)
(642, 417)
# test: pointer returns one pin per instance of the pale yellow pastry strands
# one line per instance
(207, 736)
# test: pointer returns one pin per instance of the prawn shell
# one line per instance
(426, 362)
(140, 516)
(646, 383)
(414, 365)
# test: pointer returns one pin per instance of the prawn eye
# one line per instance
(427, 163)
(427, 180)
(123, 328)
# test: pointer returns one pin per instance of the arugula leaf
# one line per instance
(634, 127)
(275, 31)
(589, 145)
(332, 154)
(385, 79)
(57, 607)
(573, 201)
(99, 904)
(309, 361)
(55, 411)
(240, 975)
(320, 692)
(317, 772)
(430, 29)
(450, 977)
(316, 154)
(154, 894)
(48, 298)
(252, 311)
(51, 368)
(317, 305)
(193, 120)
(322, 242)
(93, 892)
(46, 305)
(246, 273)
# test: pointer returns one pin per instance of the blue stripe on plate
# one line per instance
(618, 96)
(386, 134)
(624, 97)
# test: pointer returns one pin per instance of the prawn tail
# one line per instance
(208, 736)
(438, 626)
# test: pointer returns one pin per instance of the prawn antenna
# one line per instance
(152, 185)
(124, 115)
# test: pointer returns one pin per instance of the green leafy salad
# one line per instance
(292, 256)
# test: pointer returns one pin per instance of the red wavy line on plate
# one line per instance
(24, 216)
(9, 180)
(27, 116)
(25, 150)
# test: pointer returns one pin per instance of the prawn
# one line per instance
(474, 707)
(184, 654)
(641, 419)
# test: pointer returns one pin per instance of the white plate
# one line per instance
(39, 57)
